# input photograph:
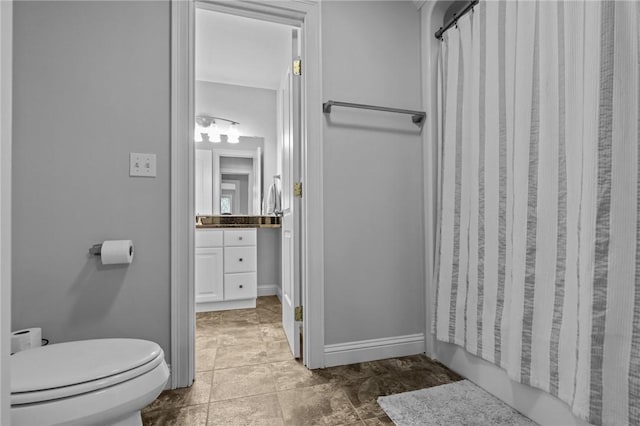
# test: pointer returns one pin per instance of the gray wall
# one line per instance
(269, 263)
(374, 279)
(91, 84)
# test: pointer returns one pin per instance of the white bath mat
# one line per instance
(455, 404)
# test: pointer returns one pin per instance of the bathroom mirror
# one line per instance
(229, 177)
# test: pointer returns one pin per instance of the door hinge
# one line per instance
(297, 189)
(297, 67)
(298, 313)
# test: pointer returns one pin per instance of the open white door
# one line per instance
(290, 203)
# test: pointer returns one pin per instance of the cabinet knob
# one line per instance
(240, 286)
(240, 238)
(240, 259)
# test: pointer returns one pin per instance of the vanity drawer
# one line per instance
(240, 237)
(239, 259)
(209, 238)
(240, 286)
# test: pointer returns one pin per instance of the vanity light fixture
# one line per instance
(208, 129)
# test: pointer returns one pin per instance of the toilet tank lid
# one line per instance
(70, 363)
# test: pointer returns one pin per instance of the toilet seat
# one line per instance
(73, 368)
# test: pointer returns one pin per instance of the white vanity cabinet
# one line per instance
(226, 265)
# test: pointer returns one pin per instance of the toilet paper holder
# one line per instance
(96, 250)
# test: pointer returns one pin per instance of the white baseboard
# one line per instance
(169, 383)
(268, 290)
(370, 350)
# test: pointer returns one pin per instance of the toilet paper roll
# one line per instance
(116, 252)
(26, 339)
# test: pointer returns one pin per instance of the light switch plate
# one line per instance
(142, 164)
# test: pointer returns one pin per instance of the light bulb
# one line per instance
(197, 133)
(214, 133)
(233, 136)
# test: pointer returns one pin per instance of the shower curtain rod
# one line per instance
(455, 18)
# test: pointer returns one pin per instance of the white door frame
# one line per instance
(6, 47)
(306, 15)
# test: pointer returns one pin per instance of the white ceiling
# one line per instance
(242, 51)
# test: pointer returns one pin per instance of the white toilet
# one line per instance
(87, 382)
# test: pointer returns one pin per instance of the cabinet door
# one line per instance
(209, 275)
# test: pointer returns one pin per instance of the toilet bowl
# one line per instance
(87, 382)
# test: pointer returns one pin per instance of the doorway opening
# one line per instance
(247, 156)
(304, 16)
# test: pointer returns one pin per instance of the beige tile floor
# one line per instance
(246, 375)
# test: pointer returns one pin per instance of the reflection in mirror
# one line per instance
(229, 177)
(234, 194)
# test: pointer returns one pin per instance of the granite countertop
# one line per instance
(203, 222)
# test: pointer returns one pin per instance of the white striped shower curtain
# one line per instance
(538, 260)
